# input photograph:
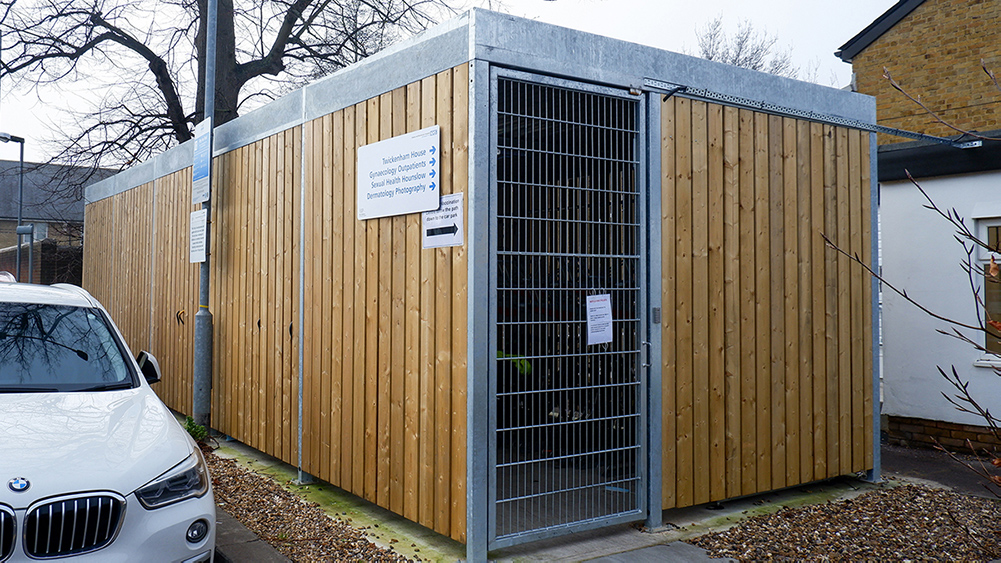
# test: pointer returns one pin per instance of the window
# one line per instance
(989, 231)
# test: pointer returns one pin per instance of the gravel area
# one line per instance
(907, 522)
(902, 523)
(298, 529)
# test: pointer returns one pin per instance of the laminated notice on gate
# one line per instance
(399, 175)
(599, 319)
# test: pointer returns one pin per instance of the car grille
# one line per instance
(7, 526)
(73, 525)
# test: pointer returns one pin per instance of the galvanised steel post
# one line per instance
(202, 380)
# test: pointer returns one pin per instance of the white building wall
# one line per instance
(921, 256)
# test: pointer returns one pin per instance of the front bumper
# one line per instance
(154, 535)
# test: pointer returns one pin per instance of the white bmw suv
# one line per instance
(93, 467)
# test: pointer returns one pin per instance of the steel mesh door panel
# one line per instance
(568, 414)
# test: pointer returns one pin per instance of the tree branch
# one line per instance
(935, 116)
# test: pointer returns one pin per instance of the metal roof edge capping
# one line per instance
(529, 45)
(670, 89)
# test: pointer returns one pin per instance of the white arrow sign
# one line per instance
(443, 226)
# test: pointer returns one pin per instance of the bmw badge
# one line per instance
(18, 484)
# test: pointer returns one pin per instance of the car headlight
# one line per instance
(187, 479)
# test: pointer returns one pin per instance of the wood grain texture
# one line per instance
(764, 351)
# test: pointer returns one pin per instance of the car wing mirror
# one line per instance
(149, 367)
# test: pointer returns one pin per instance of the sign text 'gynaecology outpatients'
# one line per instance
(399, 175)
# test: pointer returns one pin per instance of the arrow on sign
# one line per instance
(432, 186)
(432, 161)
(443, 231)
(432, 173)
(432, 149)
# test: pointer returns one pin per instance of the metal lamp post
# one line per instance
(202, 377)
(6, 138)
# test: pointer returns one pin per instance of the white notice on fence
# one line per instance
(196, 240)
(443, 226)
(599, 319)
(399, 175)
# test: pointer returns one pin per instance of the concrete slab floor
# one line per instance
(675, 552)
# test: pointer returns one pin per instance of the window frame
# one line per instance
(983, 258)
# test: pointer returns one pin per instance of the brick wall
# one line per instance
(935, 52)
(64, 234)
(51, 262)
(920, 433)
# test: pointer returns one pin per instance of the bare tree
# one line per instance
(747, 48)
(140, 66)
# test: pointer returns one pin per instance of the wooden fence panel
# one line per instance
(384, 347)
(118, 258)
(768, 352)
(174, 290)
(98, 260)
(254, 298)
(385, 405)
(668, 275)
(132, 265)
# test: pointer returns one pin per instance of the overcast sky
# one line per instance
(811, 29)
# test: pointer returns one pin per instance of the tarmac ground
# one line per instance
(618, 544)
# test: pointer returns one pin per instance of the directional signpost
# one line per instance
(399, 175)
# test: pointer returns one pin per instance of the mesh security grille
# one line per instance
(568, 227)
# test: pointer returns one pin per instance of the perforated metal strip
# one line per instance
(737, 101)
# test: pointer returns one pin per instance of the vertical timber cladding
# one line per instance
(118, 259)
(255, 293)
(384, 352)
(174, 289)
(569, 416)
(137, 265)
(767, 333)
(98, 260)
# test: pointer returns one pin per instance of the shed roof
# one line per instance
(505, 41)
(876, 29)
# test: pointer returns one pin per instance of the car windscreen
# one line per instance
(48, 348)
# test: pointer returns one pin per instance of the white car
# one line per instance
(93, 467)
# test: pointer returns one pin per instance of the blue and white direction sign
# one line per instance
(399, 175)
(201, 160)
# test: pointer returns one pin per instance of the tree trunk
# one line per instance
(227, 85)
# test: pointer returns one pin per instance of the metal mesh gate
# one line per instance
(568, 418)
